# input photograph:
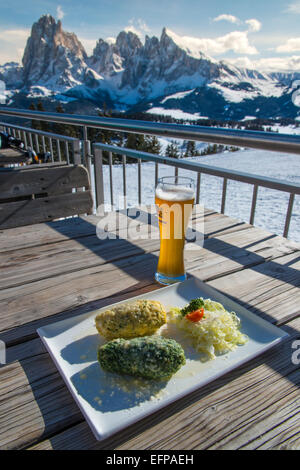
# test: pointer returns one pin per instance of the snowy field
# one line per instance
(271, 205)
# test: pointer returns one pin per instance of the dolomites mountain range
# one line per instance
(160, 75)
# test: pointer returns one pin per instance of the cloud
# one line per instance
(14, 35)
(291, 45)
(138, 27)
(12, 43)
(225, 17)
(270, 64)
(59, 13)
(110, 40)
(294, 7)
(254, 25)
(134, 30)
(236, 41)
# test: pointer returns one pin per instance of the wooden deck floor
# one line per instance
(57, 270)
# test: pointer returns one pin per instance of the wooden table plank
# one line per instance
(44, 261)
(33, 393)
(245, 402)
(279, 430)
(270, 289)
(45, 234)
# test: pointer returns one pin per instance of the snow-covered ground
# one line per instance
(271, 205)
(176, 114)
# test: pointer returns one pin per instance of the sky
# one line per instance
(260, 34)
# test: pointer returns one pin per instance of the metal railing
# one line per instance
(241, 138)
(41, 140)
(255, 180)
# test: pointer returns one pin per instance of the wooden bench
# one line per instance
(33, 195)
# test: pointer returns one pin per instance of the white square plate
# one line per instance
(110, 402)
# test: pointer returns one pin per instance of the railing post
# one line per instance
(289, 215)
(37, 143)
(67, 152)
(44, 144)
(198, 188)
(30, 140)
(253, 206)
(99, 183)
(111, 179)
(224, 196)
(140, 181)
(176, 172)
(87, 155)
(87, 151)
(86, 145)
(124, 179)
(51, 149)
(58, 149)
(25, 140)
(76, 152)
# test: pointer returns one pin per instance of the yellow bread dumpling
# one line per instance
(132, 319)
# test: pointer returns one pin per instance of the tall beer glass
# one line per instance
(174, 199)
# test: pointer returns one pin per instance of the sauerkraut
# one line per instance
(218, 332)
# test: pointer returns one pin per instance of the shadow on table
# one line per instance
(83, 350)
(107, 392)
(125, 254)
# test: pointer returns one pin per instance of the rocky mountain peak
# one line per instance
(128, 43)
(50, 51)
(111, 58)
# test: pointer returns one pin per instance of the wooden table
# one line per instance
(57, 270)
(12, 156)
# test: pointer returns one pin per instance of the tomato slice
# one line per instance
(196, 315)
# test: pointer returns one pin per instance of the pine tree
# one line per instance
(172, 150)
(152, 145)
(191, 150)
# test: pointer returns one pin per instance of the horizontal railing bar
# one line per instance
(241, 138)
(242, 177)
(38, 132)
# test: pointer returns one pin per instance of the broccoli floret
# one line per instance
(194, 304)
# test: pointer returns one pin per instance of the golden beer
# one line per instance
(174, 199)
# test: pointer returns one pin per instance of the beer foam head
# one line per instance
(175, 193)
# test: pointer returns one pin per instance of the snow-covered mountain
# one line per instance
(159, 75)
